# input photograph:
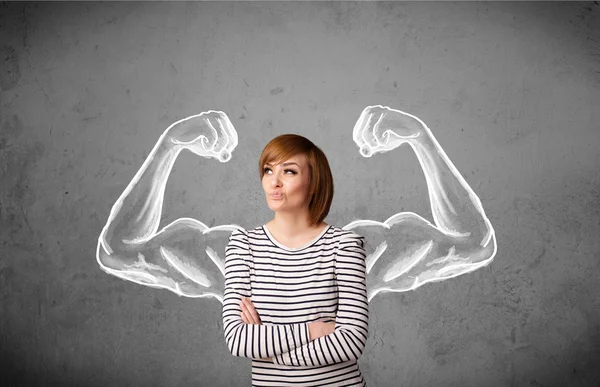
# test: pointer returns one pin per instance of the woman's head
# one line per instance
(305, 183)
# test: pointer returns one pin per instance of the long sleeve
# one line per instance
(251, 340)
(348, 340)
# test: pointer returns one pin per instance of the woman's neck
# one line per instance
(289, 225)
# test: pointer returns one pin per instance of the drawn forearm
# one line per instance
(135, 216)
(456, 209)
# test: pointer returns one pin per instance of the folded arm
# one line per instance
(252, 340)
(348, 340)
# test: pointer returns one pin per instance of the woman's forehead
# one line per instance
(299, 159)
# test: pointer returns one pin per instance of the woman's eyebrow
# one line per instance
(285, 164)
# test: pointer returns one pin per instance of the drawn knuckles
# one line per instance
(208, 134)
(380, 129)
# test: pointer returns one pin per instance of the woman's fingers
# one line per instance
(318, 329)
(329, 328)
(249, 312)
(244, 316)
(252, 311)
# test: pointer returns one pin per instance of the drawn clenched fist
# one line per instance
(208, 134)
(380, 129)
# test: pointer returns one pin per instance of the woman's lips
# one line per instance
(276, 196)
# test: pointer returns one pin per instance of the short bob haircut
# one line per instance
(320, 189)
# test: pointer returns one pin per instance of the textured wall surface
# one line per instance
(510, 90)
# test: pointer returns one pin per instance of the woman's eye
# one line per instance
(265, 170)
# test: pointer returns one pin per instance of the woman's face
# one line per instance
(286, 184)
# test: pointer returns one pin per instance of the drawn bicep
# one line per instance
(406, 251)
(185, 257)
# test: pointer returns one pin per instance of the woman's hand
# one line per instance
(249, 313)
(318, 329)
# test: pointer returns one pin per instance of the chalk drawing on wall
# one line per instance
(403, 252)
(406, 251)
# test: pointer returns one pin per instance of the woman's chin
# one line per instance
(275, 207)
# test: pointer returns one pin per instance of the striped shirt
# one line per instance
(323, 280)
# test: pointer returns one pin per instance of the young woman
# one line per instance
(295, 298)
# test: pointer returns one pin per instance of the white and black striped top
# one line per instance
(290, 287)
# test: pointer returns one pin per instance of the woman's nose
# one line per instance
(275, 181)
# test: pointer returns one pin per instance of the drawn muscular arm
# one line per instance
(411, 251)
(130, 245)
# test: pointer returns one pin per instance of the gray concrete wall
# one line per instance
(511, 91)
